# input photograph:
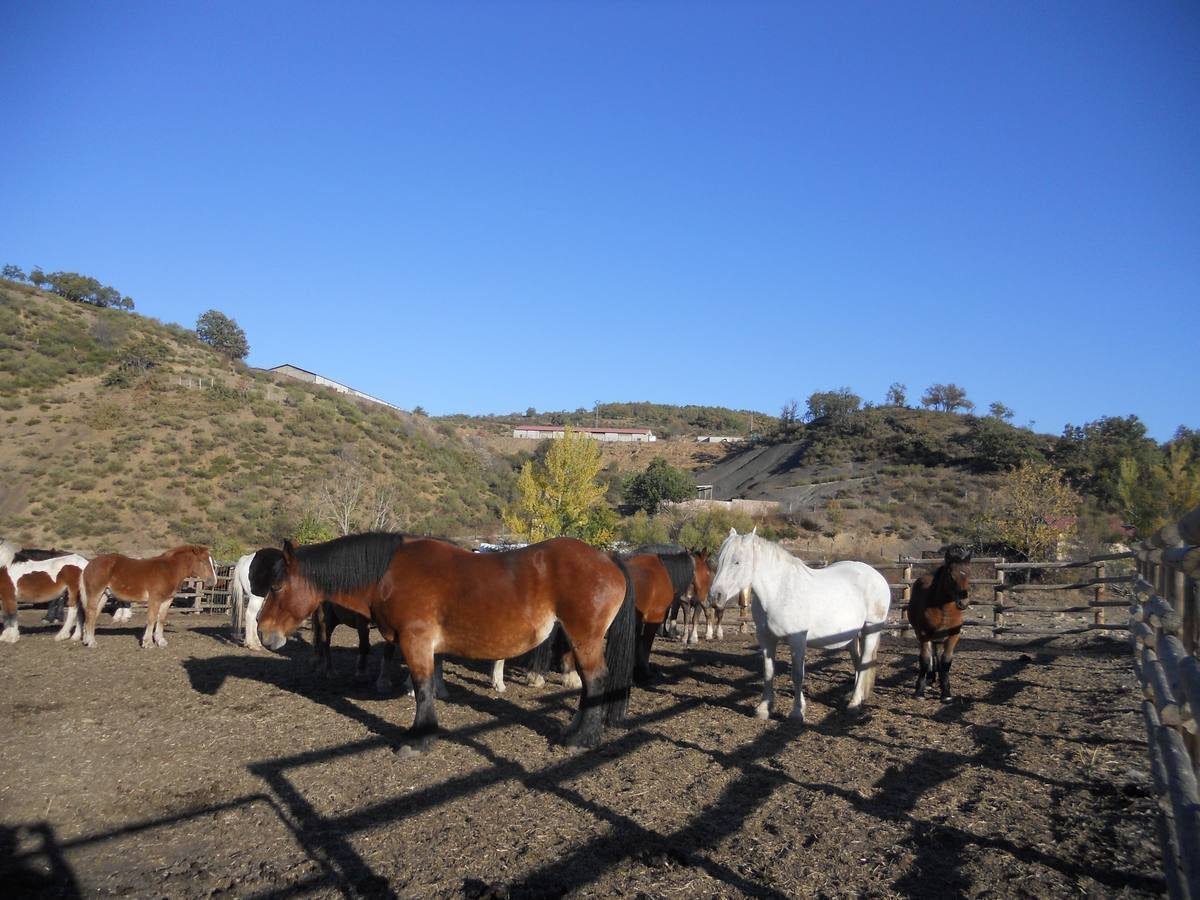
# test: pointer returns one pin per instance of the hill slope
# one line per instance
(121, 433)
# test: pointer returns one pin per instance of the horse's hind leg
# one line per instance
(498, 676)
(642, 674)
(8, 601)
(587, 728)
(864, 668)
(925, 667)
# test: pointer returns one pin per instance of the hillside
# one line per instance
(121, 433)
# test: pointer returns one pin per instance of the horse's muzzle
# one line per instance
(963, 603)
(272, 640)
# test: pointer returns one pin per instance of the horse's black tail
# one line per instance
(620, 653)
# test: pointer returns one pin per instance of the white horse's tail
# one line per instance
(237, 596)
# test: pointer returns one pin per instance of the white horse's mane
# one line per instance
(773, 550)
(8, 550)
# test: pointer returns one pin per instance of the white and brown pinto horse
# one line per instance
(34, 581)
(153, 581)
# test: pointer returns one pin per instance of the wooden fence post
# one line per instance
(906, 596)
(998, 604)
(1099, 595)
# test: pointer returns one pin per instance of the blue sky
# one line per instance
(485, 207)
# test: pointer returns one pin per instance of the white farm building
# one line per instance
(538, 432)
(313, 378)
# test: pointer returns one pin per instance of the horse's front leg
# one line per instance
(364, 651)
(151, 621)
(383, 684)
(798, 643)
(924, 667)
(253, 608)
(944, 668)
(767, 643)
(423, 669)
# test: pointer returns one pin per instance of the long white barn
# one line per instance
(313, 378)
(540, 432)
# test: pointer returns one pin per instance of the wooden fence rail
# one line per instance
(1163, 633)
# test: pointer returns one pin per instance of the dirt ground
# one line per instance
(204, 769)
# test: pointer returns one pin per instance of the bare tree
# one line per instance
(341, 494)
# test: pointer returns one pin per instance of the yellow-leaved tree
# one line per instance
(1033, 510)
(562, 495)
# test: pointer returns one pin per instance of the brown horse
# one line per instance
(153, 581)
(653, 595)
(935, 611)
(432, 598)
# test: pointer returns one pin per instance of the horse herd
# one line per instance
(599, 612)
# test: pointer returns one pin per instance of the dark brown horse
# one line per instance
(153, 581)
(935, 611)
(653, 595)
(432, 598)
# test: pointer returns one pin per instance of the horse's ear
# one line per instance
(732, 531)
(289, 551)
(754, 530)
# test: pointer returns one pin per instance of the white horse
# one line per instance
(243, 596)
(842, 605)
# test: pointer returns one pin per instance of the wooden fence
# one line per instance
(1011, 607)
(1164, 625)
(195, 596)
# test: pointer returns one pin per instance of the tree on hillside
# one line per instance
(223, 334)
(998, 410)
(1033, 510)
(13, 273)
(998, 445)
(1091, 455)
(946, 397)
(789, 420)
(897, 394)
(707, 529)
(832, 406)
(81, 289)
(562, 495)
(660, 482)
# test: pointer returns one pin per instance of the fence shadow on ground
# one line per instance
(939, 850)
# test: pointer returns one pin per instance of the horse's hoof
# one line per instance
(947, 698)
(572, 681)
(580, 737)
(762, 711)
(499, 687)
(408, 751)
(537, 681)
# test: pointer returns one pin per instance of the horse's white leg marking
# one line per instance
(11, 629)
(498, 676)
(573, 681)
(148, 634)
(798, 643)
(766, 646)
(68, 625)
(159, 630)
(253, 608)
(864, 677)
(535, 679)
(690, 614)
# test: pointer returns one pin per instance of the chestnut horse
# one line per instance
(31, 580)
(432, 598)
(153, 581)
(935, 611)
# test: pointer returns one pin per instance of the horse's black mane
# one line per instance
(31, 555)
(677, 561)
(264, 568)
(349, 563)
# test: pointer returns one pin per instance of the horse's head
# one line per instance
(290, 598)
(958, 577)
(200, 564)
(735, 568)
(701, 576)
